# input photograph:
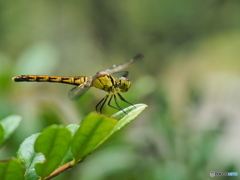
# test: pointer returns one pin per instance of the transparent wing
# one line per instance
(76, 92)
(120, 74)
(117, 68)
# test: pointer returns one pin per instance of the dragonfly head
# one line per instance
(124, 84)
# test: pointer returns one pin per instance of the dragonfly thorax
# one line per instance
(108, 83)
(105, 82)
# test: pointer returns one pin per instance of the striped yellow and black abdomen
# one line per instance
(58, 79)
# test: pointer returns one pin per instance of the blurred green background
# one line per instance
(189, 78)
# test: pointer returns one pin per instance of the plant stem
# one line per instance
(61, 169)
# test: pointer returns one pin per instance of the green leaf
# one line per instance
(124, 119)
(11, 169)
(29, 157)
(1, 135)
(73, 128)
(132, 113)
(94, 128)
(69, 156)
(54, 143)
(9, 124)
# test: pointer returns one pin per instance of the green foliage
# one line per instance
(92, 131)
(53, 143)
(29, 157)
(7, 127)
(72, 128)
(11, 169)
(189, 77)
(124, 119)
(57, 148)
(1, 134)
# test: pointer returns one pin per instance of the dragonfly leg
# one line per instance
(115, 99)
(119, 95)
(111, 105)
(104, 101)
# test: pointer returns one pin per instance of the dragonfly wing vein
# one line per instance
(120, 74)
(117, 68)
(76, 92)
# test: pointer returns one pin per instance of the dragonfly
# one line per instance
(106, 80)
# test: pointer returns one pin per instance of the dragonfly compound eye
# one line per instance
(124, 84)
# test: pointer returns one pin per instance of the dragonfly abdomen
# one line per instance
(57, 79)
